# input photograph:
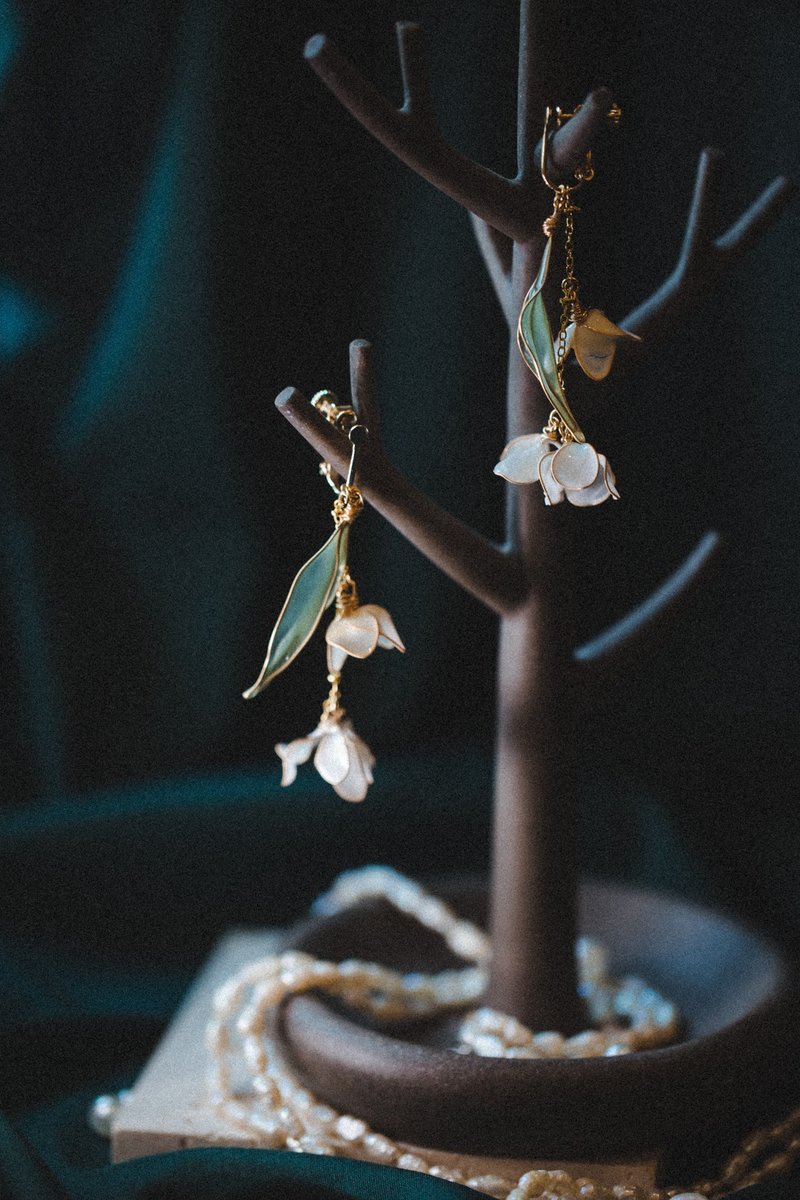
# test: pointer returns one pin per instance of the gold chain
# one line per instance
(570, 305)
(332, 708)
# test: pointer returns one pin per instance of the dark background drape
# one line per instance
(188, 223)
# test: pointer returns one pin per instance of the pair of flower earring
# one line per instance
(341, 757)
(559, 457)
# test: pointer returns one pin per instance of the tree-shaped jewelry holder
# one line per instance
(730, 1071)
(690, 1102)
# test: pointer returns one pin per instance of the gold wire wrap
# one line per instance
(347, 506)
(347, 600)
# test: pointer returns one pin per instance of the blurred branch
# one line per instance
(649, 614)
(703, 260)
(412, 134)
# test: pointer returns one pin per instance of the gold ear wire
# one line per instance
(343, 417)
(583, 173)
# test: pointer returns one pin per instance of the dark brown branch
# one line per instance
(416, 89)
(489, 573)
(363, 389)
(530, 103)
(653, 608)
(496, 250)
(412, 135)
(567, 147)
(704, 259)
(756, 220)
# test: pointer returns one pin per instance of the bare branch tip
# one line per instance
(315, 46)
(783, 187)
(287, 397)
(599, 97)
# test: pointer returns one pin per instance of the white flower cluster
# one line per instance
(343, 759)
(572, 471)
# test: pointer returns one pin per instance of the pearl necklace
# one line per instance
(283, 1114)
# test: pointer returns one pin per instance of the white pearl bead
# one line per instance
(380, 1147)
(268, 993)
(269, 1131)
(311, 1145)
(322, 1115)
(585, 1045)
(452, 1174)
(350, 1128)
(103, 1112)
(488, 1046)
(592, 959)
(490, 1185)
(549, 1044)
(412, 1162)
(468, 941)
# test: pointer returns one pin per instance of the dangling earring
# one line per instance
(340, 755)
(560, 457)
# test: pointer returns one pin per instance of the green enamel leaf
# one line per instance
(535, 341)
(310, 594)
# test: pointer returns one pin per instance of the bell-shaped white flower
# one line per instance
(342, 758)
(358, 633)
(572, 471)
(519, 462)
(593, 338)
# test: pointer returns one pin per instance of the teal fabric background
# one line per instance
(189, 223)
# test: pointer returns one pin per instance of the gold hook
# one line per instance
(341, 416)
(584, 173)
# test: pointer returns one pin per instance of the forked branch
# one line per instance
(412, 135)
(704, 259)
(491, 574)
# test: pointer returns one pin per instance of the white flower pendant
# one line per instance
(572, 471)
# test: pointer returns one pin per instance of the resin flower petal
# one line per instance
(359, 776)
(336, 659)
(357, 633)
(332, 758)
(553, 491)
(575, 465)
(388, 637)
(342, 758)
(597, 492)
(519, 462)
(594, 340)
(293, 754)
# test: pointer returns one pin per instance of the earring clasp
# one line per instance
(582, 173)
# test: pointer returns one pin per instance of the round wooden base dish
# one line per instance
(735, 1069)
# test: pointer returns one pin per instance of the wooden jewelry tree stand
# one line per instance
(731, 1071)
(691, 1102)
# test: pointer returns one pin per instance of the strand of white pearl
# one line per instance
(285, 1113)
(650, 1019)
